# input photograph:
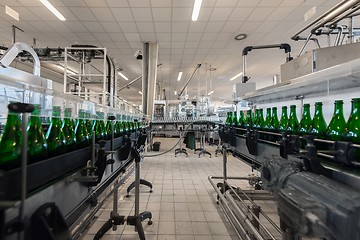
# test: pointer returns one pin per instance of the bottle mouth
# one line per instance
(318, 104)
(355, 100)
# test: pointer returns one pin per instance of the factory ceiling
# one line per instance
(122, 26)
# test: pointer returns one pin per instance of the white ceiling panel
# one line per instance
(177, 44)
(145, 27)
(132, 37)
(209, 37)
(129, 27)
(117, 3)
(122, 14)
(112, 27)
(148, 37)
(86, 37)
(162, 27)
(180, 26)
(220, 14)
(163, 37)
(260, 14)
(25, 14)
(83, 13)
(197, 26)
(226, 3)
(248, 3)
(192, 45)
(139, 3)
(205, 14)
(272, 3)
(101, 36)
(160, 3)
(181, 14)
(142, 14)
(122, 44)
(95, 3)
(59, 26)
(94, 27)
(73, 3)
(42, 26)
(76, 26)
(103, 14)
(67, 13)
(117, 37)
(280, 13)
(214, 27)
(161, 14)
(232, 27)
(266, 26)
(178, 36)
(241, 13)
(194, 37)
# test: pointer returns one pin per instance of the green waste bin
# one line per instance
(190, 140)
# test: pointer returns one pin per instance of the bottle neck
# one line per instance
(284, 112)
(339, 109)
(355, 107)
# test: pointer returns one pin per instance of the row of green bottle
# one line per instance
(61, 136)
(338, 129)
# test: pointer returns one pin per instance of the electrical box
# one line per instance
(240, 89)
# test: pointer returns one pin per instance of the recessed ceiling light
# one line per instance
(240, 37)
(12, 13)
(53, 10)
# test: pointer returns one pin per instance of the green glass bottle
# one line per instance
(293, 123)
(260, 121)
(318, 125)
(335, 130)
(37, 144)
(228, 121)
(267, 123)
(109, 128)
(249, 119)
(11, 141)
(352, 129)
(283, 119)
(256, 119)
(81, 133)
(55, 136)
(235, 121)
(242, 119)
(88, 123)
(305, 123)
(69, 130)
(274, 120)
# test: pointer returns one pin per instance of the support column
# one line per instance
(149, 63)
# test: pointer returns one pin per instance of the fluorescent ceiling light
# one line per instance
(123, 76)
(125, 100)
(12, 13)
(179, 76)
(140, 92)
(175, 92)
(236, 76)
(211, 92)
(196, 10)
(68, 70)
(53, 10)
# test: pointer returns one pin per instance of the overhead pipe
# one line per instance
(187, 82)
(327, 17)
(247, 49)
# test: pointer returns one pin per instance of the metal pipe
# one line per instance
(245, 219)
(187, 82)
(130, 83)
(338, 36)
(306, 42)
(335, 8)
(224, 167)
(224, 203)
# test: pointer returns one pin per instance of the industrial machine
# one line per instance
(313, 179)
(57, 197)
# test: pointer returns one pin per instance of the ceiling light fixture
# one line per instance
(196, 10)
(240, 37)
(211, 92)
(236, 76)
(140, 92)
(175, 92)
(179, 76)
(12, 13)
(123, 76)
(53, 10)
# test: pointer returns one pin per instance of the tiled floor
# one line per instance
(183, 202)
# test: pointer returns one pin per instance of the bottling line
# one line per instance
(312, 175)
